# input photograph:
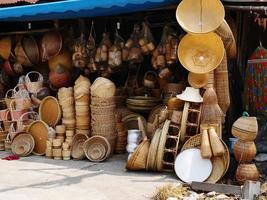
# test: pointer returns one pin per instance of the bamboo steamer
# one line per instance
(247, 172)
(49, 153)
(60, 129)
(244, 152)
(245, 128)
(57, 152)
(69, 133)
(138, 159)
(57, 143)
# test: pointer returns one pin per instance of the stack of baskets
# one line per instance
(66, 101)
(82, 102)
(103, 110)
(122, 135)
(245, 129)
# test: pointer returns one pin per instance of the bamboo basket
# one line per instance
(244, 152)
(222, 85)
(97, 148)
(97, 101)
(138, 159)
(245, 128)
(77, 146)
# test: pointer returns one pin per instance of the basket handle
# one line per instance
(12, 105)
(35, 115)
(7, 113)
(7, 93)
(40, 76)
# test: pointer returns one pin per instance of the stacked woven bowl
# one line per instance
(103, 110)
(66, 101)
(82, 102)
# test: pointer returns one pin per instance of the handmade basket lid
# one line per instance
(190, 166)
(22, 144)
(201, 53)
(200, 16)
(39, 130)
(50, 111)
(198, 80)
(245, 128)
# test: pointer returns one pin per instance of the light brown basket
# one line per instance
(96, 101)
(138, 159)
(97, 148)
(22, 144)
(222, 85)
(77, 146)
(102, 109)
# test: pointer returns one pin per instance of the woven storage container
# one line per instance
(247, 172)
(245, 128)
(96, 101)
(97, 148)
(244, 152)
(77, 146)
(222, 85)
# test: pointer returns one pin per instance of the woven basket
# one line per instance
(222, 85)
(96, 101)
(22, 144)
(195, 141)
(211, 81)
(226, 34)
(77, 146)
(97, 148)
(152, 154)
(138, 159)
(102, 109)
(247, 172)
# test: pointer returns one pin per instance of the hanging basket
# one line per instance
(34, 84)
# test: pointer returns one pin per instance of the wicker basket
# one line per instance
(96, 101)
(97, 148)
(77, 146)
(138, 159)
(102, 109)
(222, 85)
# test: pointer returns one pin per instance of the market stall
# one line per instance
(157, 85)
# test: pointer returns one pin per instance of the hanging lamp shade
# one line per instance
(200, 16)
(201, 53)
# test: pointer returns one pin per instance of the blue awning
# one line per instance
(68, 9)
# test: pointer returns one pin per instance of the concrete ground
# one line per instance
(39, 178)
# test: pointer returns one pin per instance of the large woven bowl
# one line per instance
(97, 149)
(39, 130)
(198, 16)
(50, 111)
(77, 146)
(201, 53)
(245, 128)
(138, 159)
(22, 144)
